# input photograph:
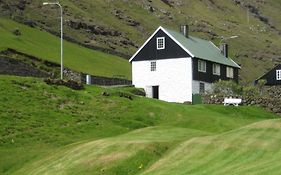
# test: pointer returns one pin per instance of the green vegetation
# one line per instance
(254, 149)
(45, 46)
(256, 48)
(53, 129)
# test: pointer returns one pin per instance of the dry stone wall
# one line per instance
(270, 99)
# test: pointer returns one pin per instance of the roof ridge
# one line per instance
(184, 36)
(202, 48)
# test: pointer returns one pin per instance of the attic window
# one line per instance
(160, 43)
(278, 74)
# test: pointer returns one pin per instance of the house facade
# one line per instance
(173, 66)
(272, 77)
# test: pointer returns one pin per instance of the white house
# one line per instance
(173, 66)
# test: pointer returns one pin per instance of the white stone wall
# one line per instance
(195, 86)
(173, 76)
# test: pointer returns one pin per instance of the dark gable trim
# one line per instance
(208, 76)
(270, 77)
(150, 52)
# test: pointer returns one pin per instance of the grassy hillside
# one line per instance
(47, 47)
(47, 129)
(122, 26)
(254, 149)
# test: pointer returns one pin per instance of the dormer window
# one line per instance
(160, 43)
(278, 74)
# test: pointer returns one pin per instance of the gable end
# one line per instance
(149, 49)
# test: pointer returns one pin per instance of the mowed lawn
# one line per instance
(55, 130)
(45, 46)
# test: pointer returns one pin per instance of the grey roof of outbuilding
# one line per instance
(202, 49)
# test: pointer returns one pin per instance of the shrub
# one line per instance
(16, 32)
(250, 91)
(228, 88)
(260, 85)
(138, 91)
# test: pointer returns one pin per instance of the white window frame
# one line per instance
(153, 66)
(278, 74)
(216, 69)
(202, 67)
(160, 43)
(229, 72)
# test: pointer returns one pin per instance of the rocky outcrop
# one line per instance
(256, 13)
(68, 83)
(92, 28)
(129, 20)
(9, 66)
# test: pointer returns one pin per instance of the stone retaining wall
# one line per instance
(16, 63)
(106, 81)
(270, 99)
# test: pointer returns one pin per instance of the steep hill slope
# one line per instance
(39, 123)
(122, 26)
(45, 46)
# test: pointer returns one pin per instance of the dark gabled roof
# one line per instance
(196, 47)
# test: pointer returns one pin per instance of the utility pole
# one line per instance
(61, 34)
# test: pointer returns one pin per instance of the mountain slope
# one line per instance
(122, 26)
(45, 46)
(39, 123)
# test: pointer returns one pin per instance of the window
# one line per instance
(229, 72)
(153, 66)
(216, 69)
(201, 88)
(278, 74)
(201, 66)
(160, 43)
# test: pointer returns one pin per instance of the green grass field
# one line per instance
(45, 46)
(55, 130)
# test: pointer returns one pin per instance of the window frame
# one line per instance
(214, 69)
(227, 72)
(278, 75)
(158, 39)
(204, 66)
(153, 66)
(202, 90)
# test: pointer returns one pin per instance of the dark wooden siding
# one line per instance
(150, 52)
(270, 77)
(208, 76)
